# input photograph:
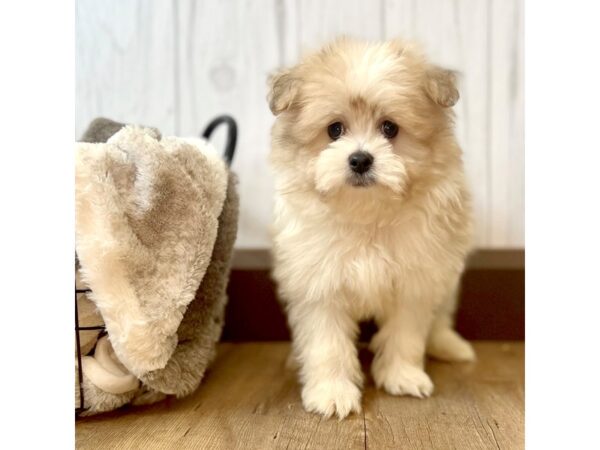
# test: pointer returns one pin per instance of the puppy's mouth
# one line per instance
(361, 179)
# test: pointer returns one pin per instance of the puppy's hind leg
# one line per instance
(444, 342)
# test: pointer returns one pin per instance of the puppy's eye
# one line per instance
(335, 130)
(389, 129)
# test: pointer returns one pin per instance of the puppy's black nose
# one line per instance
(360, 161)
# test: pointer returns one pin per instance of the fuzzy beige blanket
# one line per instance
(148, 213)
(146, 221)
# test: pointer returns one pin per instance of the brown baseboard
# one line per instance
(492, 299)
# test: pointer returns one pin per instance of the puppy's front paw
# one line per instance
(328, 397)
(402, 379)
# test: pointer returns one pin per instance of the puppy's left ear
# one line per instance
(283, 88)
(440, 85)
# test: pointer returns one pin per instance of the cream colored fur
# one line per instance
(393, 251)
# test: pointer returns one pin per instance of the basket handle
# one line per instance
(231, 134)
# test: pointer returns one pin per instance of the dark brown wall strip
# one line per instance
(492, 301)
(260, 259)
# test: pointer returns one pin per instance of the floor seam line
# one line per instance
(365, 427)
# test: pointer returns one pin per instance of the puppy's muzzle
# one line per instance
(360, 161)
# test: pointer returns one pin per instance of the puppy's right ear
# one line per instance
(283, 88)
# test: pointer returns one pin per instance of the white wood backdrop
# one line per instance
(177, 64)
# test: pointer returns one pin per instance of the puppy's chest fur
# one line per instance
(365, 266)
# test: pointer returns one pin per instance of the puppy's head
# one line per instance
(361, 122)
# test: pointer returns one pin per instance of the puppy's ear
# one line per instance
(440, 85)
(283, 88)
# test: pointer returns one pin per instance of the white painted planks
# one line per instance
(454, 34)
(178, 64)
(124, 62)
(226, 50)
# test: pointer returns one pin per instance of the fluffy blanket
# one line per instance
(156, 219)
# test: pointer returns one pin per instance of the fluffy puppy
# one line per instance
(372, 217)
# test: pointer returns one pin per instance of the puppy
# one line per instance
(372, 217)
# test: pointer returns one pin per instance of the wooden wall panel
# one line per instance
(177, 64)
(513, 179)
(226, 50)
(320, 22)
(455, 35)
(124, 62)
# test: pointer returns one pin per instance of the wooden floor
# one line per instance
(249, 400)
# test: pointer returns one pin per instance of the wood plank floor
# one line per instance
(249, 400)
